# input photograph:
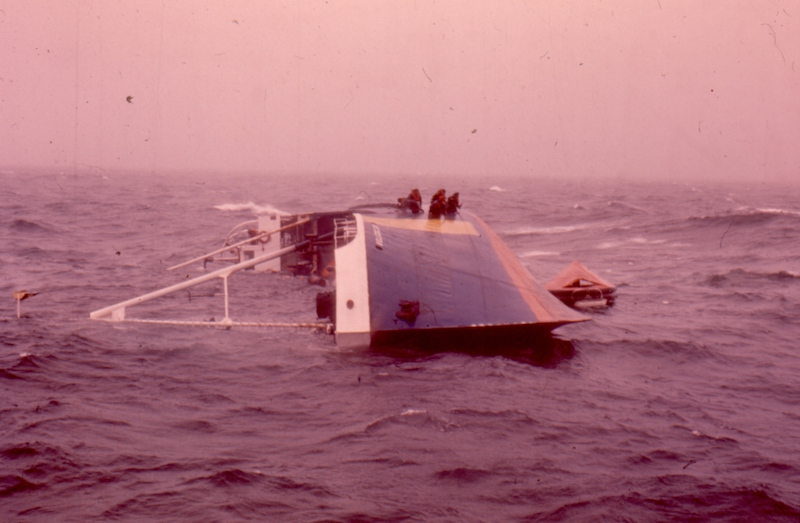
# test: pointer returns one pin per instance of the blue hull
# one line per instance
(434, 279)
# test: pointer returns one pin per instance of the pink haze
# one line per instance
(652, 88)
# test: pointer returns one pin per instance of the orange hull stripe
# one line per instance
(519, 275)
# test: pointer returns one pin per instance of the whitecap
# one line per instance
(770, 210)
(637, 240)
(496, 188)
(531, 254)
(249, 206)
(556, 229)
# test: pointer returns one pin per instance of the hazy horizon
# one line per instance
(592, 90)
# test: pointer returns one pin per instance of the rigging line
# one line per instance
(726, 231)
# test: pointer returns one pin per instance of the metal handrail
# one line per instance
(326, 326)
(239, 228)
(235, 245)
(116, 312)
(346, 229)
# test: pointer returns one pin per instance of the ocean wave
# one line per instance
(739, 276)
(284, 483)
(34, 252)
(250, 207)
(512, 416)
(27, 361)
(410, 417)
(555, 229)
(636, 240)
(463, 475)
(627, 207)
(681, 351)
(676, 497)
(14, 484)
(14, 452)
(235, 477)
(36, 450)
(779, 212)
(4, 374)
(726, 440)
(227, 478)
(196, 426)
(532, 254)
(29, 227)
(46, 463)
(745, 216)
(151, 506)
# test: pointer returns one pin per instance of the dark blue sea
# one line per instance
(681, 403)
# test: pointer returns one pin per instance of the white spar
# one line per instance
(117, 311)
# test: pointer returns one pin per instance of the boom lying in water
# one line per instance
(390, 275)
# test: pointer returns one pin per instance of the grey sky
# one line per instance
(593, 88)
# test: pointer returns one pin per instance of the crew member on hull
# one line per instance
(412, 202)
(453, 205)
(438, 204)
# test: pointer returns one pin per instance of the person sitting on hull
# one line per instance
(453, 205)
(413, 202)
(438, 204)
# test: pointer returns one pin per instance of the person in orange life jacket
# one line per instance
(453, 205)
(413, 202)
(438, 204)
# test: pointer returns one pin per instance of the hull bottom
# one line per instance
(519, 343)
(466, 338)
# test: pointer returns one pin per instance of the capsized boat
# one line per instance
(391, 274)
